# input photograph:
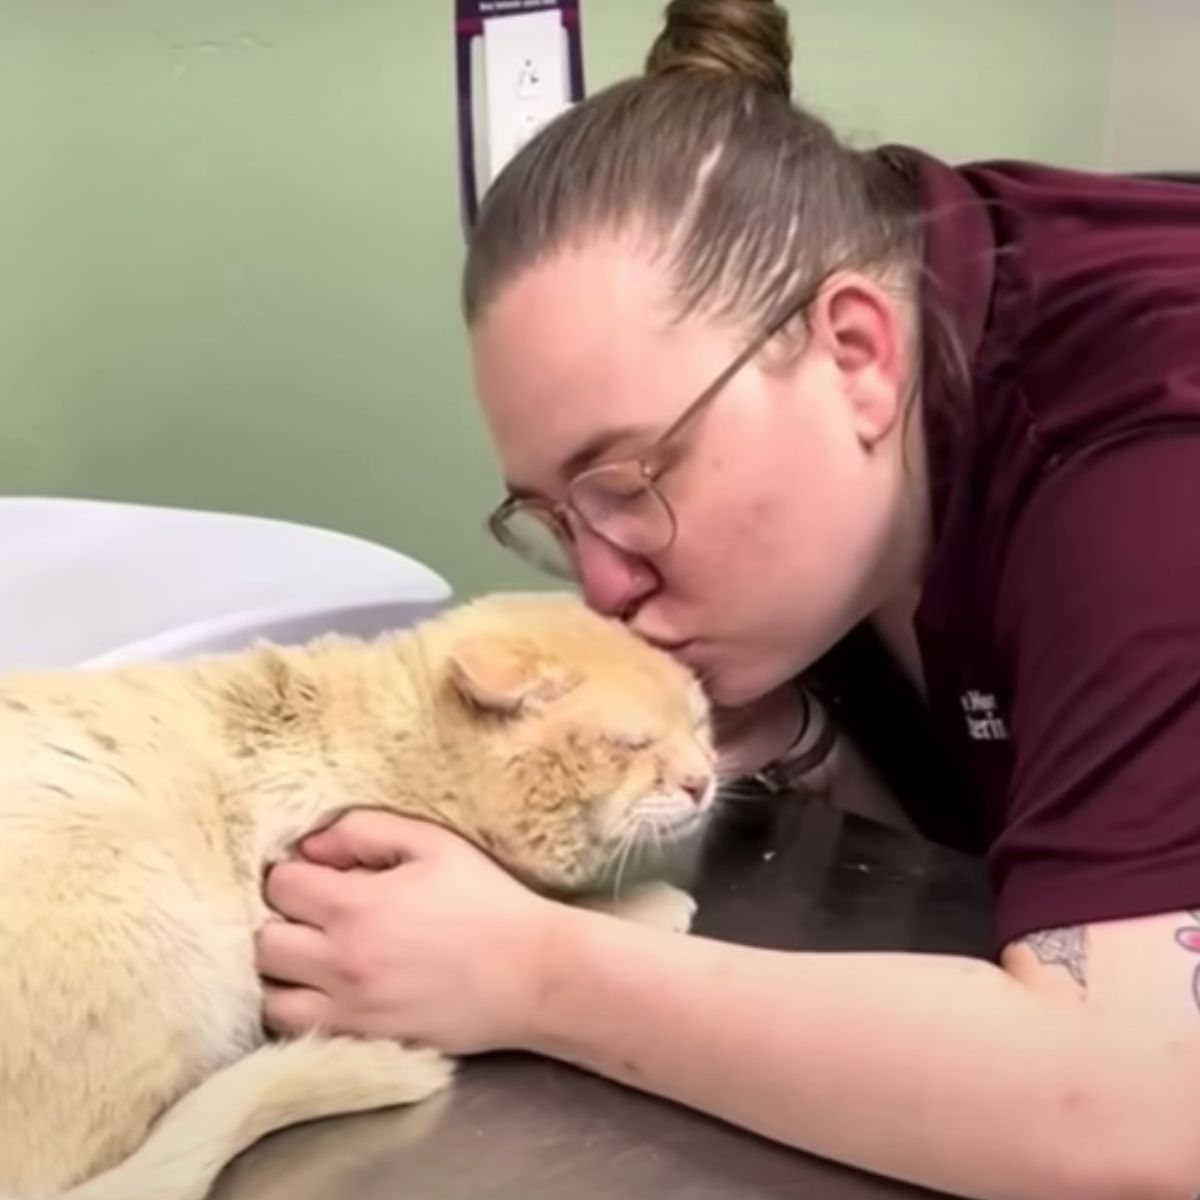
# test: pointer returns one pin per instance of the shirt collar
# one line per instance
(956, 300)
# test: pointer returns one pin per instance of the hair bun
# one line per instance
(744, 38)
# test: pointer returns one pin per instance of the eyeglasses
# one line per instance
(620, 502)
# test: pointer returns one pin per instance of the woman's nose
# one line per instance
(613, 582)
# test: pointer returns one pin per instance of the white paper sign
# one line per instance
(526, 71)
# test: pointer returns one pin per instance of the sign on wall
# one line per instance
(519, 63)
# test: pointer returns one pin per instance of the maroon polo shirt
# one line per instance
(1060, 621)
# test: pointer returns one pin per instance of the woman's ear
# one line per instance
(861, 327)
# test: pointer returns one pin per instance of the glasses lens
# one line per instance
(621, 505)
(535, 536)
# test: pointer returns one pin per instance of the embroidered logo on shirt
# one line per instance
(982, 713)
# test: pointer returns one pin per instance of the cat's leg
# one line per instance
(278, 1085)
(125, 980)
(657, 904)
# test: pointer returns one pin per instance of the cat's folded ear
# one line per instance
(504, 675)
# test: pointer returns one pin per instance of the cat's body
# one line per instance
(139, 808)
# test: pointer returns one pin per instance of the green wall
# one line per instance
(229, 239)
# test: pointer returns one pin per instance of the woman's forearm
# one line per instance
(943, 1071)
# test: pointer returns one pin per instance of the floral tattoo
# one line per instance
(1189, 938)
(1066, 948)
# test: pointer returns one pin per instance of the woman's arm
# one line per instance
(1017, 1084)
(946, 1072)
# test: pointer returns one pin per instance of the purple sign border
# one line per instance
(468, 25)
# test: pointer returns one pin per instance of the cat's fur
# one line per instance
(140, 806)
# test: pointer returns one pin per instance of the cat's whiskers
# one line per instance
(663, 822)
(726, 775)
(659, 823)
(631, 828)
(739, 789)
(615, 846)
(632, 848)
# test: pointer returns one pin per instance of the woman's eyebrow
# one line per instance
(594, 448)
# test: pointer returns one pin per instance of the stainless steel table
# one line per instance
(792, 873)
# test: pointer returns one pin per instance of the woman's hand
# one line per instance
(396, 928)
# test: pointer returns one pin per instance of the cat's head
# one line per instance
(585, 746)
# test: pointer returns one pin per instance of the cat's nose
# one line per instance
(697, 787)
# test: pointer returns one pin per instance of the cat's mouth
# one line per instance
(666, 821)
(683, 825)
(657, 825)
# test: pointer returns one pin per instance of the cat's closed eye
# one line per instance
(632, 740)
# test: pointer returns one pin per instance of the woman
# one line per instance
(959, 408)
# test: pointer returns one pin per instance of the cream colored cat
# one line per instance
(140, 806)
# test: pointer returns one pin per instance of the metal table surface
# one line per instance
(793, 873)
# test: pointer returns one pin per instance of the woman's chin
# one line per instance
(738, 685)
(731, 688)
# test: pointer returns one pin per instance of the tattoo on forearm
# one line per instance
(1189, 938)
(1066, 948)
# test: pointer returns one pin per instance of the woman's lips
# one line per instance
(687, 652)
(670, 645)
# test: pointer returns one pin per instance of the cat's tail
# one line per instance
(278, 1085)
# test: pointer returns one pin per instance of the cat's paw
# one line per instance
(658, 905)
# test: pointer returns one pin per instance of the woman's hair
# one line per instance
(749, 201)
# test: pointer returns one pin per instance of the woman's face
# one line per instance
(788, 489)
